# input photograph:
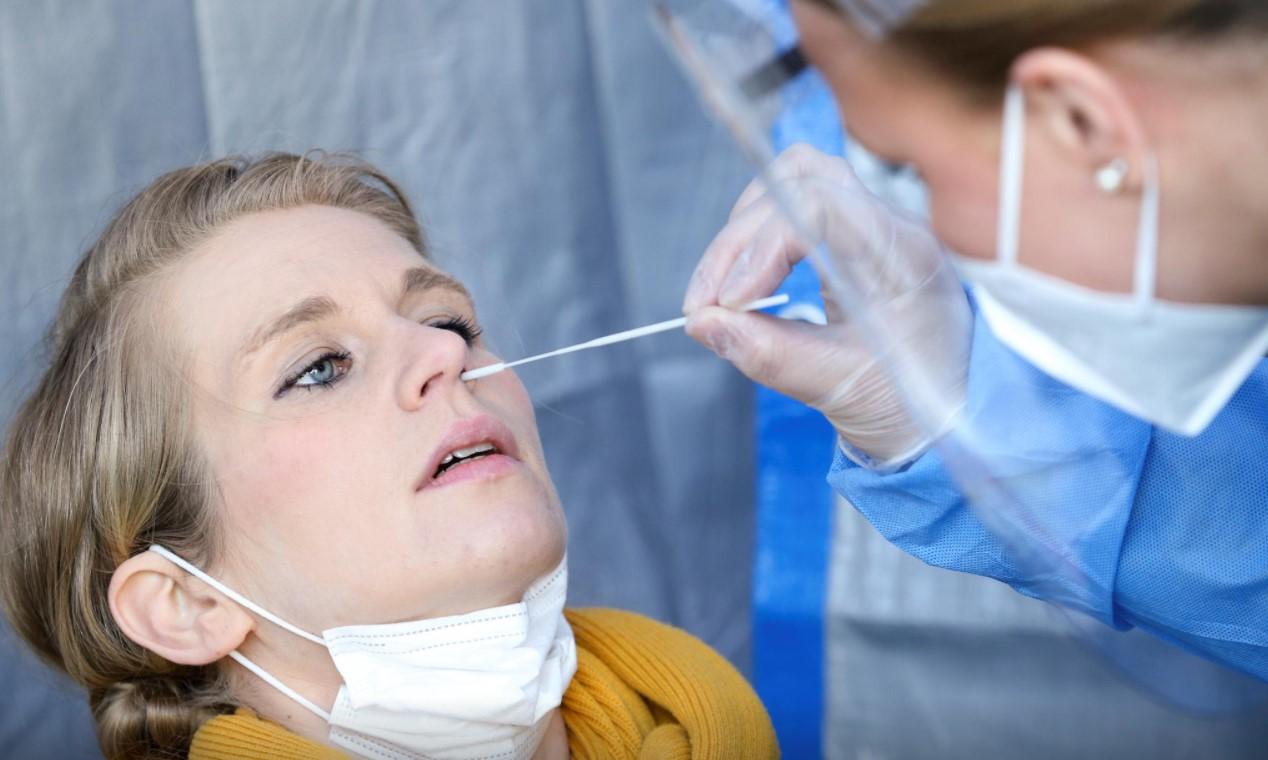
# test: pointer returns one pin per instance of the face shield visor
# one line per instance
(1050, 474)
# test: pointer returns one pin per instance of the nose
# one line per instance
(435, 364)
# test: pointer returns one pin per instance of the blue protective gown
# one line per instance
(1165, 533)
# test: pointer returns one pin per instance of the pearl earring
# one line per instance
(1111, 177)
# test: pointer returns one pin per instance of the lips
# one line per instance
(477, 438)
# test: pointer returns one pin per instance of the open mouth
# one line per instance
(472, 449)
(461, 456)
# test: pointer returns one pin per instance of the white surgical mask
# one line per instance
(480, 685)
(1173, 365)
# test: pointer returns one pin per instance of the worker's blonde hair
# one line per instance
(977, 41)
(100, 460)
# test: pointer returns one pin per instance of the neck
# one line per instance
(1205, 111)
(554, 744)
(301, 665)
(1215, 255)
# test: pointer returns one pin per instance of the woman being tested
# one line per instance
(1100, 170)
(252, 508)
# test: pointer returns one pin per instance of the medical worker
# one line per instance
(1098, 170)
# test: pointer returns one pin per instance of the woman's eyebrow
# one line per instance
(308, 310)
(418, 279)
(314, 308)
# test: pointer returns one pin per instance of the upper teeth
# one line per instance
(470, 451)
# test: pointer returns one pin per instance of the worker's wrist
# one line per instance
(885, 465)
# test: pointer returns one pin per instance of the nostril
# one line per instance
(428, 384)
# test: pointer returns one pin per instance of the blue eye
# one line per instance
(464, 327)
(322, 373)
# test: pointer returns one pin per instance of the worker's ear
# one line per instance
(173, 614)
(1082, 111)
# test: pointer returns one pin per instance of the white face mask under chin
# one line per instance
(476, 686)
(1173, 365)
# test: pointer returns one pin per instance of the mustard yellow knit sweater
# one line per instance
(643, 691)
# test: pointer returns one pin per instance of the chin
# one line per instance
(534, 534)
(518, 540)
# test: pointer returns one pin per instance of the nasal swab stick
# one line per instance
(621, 337)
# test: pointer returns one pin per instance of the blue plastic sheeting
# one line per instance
(794, 535)
(795, 505)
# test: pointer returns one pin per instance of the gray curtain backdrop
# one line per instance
(925, 663)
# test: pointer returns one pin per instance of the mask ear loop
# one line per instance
(1147, 236)
(257, 609)
(879, 17)
(1011, 176)
(268, 678)
(867, 16)
(234, 595)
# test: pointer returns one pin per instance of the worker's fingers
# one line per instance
(795, 169)
(802, 161)
(763, 264)
(720, 256)
(864, 249)
(755, 191)
(796, 163)
(823, 209)
(801, 360)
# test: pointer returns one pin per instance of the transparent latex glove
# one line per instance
(895, 308)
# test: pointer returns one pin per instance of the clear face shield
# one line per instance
(1048, 473)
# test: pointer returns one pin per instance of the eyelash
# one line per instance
(465, 328)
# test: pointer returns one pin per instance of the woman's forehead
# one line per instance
(279, 251)
(308, 236)
(259, 266)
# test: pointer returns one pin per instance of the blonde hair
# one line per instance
(100, 462)
(977, 41)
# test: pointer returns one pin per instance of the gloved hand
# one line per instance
(907, 311)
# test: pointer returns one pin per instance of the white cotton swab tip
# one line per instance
(621, 337)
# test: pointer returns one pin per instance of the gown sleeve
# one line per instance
(1157, 531)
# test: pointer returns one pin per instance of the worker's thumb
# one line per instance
(790, 357)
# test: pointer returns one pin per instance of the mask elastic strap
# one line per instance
(866, 15)
(879, 17)
(268, 678)
(1147, 235)
(257, 609)
(1011, 176)
(234, 595)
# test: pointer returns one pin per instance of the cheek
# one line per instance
(962, 208)
(274, 478)
(508, 399)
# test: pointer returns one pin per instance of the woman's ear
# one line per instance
(169, 612)
(1083, 111)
